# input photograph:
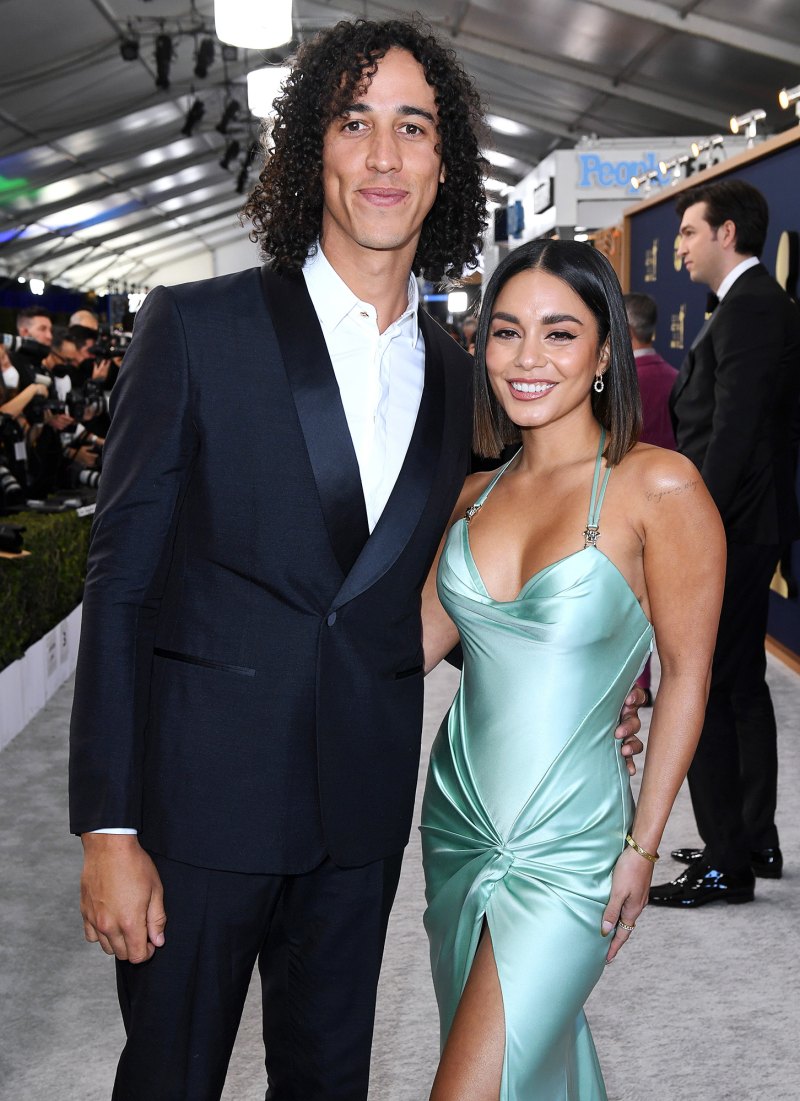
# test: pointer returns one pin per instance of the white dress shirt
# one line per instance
(380, 378)
(734, 274)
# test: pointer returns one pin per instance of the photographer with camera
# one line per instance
(34, 324)
(63, 450)
(13, 436)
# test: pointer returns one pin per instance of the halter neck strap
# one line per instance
(592, 532)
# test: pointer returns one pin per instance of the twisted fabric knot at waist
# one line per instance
(499, 863)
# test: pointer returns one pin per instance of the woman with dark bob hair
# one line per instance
(555, 572)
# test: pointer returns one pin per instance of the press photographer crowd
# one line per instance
(54, 391)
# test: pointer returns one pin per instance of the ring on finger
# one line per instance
(623, 925)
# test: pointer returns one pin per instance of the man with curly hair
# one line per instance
(246, 726)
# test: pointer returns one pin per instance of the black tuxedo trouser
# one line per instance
(318, 939)
(734, 775)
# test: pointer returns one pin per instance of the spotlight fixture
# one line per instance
(204, 58)
(789, 96)
(232, 109)
(747, 123)
(645, 181)
(194, 117)
(163, 57)
(263, 88)
(232, 150)
(252, 24)
(129, 47)
(241, 180)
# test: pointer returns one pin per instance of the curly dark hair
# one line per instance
(285, 206)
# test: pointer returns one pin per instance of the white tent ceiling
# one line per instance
(97, 180)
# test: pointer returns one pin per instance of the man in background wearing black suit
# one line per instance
(732, 406)
(286, 447)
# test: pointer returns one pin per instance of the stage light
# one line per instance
(129, 47)
(204, 58)
(747, 123)
(193, 117)
(665, 166)
(264, 87)
(241, 180)
(36, 286)
(457, 302)
(506, 126)
(789, 96)
(232, 150)
(232, 109)
(253, 24)
(163, 57)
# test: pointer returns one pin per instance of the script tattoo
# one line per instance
(658, 495)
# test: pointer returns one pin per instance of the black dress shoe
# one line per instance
(687, 855)
(701, 884)
(767, 863)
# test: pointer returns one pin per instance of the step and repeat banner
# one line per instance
(655, 269)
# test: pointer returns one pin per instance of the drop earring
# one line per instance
(599, 385)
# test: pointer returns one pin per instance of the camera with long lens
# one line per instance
(110, 345)
(31, 349)
(88, 477)
(13, 465)
(37, 407)
(91, 396)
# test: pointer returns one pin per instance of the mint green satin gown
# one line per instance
(527, 800)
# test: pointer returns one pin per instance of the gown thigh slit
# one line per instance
(528, 802)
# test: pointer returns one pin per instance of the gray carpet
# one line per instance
(702, 1006)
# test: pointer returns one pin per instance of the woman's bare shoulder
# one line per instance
(660, 474)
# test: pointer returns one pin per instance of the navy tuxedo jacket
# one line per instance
(249, 684)
(733, 404)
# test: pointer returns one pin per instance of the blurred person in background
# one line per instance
(732, 405)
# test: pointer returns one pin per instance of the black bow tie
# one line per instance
(711, 302)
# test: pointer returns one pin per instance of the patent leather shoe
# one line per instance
(700, 884)
(687, 855)
(767, 863)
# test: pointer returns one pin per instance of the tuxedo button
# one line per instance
(331, 619)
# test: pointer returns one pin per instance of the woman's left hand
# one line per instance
(629, 887)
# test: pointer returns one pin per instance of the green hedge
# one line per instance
(37, 592)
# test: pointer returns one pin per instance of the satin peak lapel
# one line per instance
(321, 413)
(414, 483)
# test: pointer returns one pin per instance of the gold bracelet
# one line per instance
(652, 857)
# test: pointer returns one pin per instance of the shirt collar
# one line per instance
(333, 300)
(640, 353)
(734, 274)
